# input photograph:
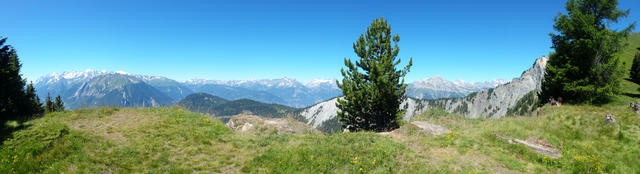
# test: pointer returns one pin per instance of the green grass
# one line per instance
(174, 140)
(589, 145)
(357, 152)
(119, 140)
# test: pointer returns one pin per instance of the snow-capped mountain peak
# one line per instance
(122, 72)
(316, 83)
(286, 82)
(436, 82)
(439, 87)
(71, 75)
(282, 82)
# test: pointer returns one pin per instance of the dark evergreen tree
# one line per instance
(34, 108)
(373, 89)
(635, 68)
(585, 66)
(13, 99)
(58, 105)
(48, 104)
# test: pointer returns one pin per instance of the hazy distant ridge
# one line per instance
(284, 91)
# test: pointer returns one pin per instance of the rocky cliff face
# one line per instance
(490, 103)
(318, 114)
(494, 102)
(323, 116)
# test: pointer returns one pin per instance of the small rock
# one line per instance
(346, 130)
(555, 102)
(610, 118)
(259, 125)
(534, 139)
(246, 127)
(230, 124)
(635, 106)
(539, 148)
(384, 133)
(431, 128)
(544, 143)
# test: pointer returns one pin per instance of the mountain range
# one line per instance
(92, 88)
(285, 91)
(117, 90)
(438, 87)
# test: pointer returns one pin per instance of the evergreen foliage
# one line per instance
(34, 100)
(525, 105)
(585, 65)
(55, 105)
(58, 105)
(48, 104)
(15, 102)
(373, 89)
(635, 68)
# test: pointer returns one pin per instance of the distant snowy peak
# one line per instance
(197, 81)
(438, 87)
(122, 72)
(272, 83)
(72, 75)
(322, 83)
(146, 78)
(437, 82)
(283, 82)
(487, 84)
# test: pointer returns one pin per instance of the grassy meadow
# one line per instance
(173, 140)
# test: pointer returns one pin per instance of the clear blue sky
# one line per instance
(469, 40)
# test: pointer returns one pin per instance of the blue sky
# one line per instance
(469, 40)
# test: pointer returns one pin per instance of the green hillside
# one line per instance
(628, 52)
(174, 140)
(219, 107)
(629, 88)
(124, 140)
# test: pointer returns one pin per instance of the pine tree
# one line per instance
(48, 104)
(373, 89)
(34, 107)
(12, 95)
(58, 105)
(635, 68)
(585, 66)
